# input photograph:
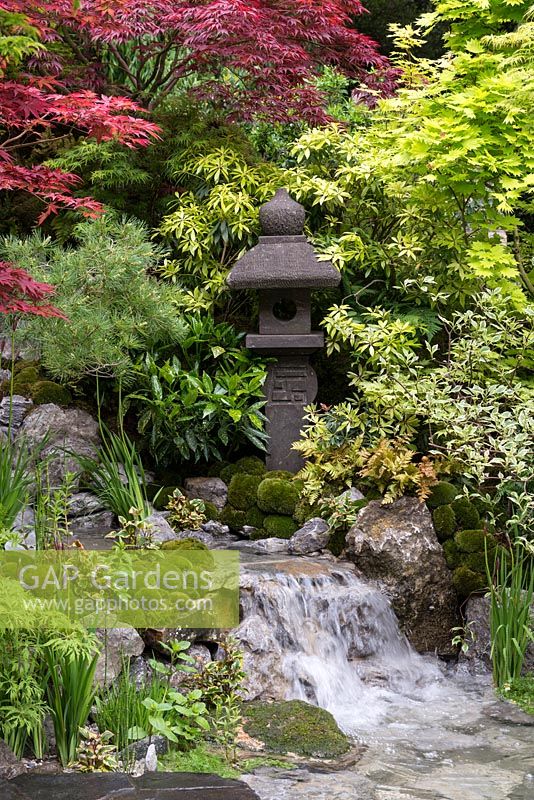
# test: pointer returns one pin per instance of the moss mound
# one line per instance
(304, 511)
(24, 379)
(243, 491)
(444, 522)
(283, 474)
(184, 544)
(215, 469)
(277, 496)
(50, 392)
(295, 727)
(466, 581)
(251, 465)
(452, 554)
(471, 541)
(211, 511)
(280, 526)
(227, 473)
(233, 517)
(255, 517)
(443, 494)
(466, 513)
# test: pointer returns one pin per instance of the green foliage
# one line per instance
(180, 718)
(117, 475)
(281, 526)
(95, 753)
(511, 586)
(70, 696)
(390, 468)
(295, 727)
(199, 759)
(185, 513)
(243, 491)
(444, 522)
(466, 513)
(520, 691)
(206, 397)
(115, 309)
(52, 525)
(222, 678)
(277, 496)
(15, 480)
(120, 707)
(50, 392)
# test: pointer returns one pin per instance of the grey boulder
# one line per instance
(211, 490)
(313, 536)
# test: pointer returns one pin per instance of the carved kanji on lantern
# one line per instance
(284, 269)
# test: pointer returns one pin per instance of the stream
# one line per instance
(430, 731)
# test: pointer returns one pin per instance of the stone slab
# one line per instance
(112, 786)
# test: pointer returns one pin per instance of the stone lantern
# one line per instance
(284, 269)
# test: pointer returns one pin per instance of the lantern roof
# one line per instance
(283, 257)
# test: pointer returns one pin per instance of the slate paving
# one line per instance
(118, 786)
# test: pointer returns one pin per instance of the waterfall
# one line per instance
(315, 631)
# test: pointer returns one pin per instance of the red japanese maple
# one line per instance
(21, 294)
(254, 56)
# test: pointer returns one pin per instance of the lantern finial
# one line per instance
(282, 216)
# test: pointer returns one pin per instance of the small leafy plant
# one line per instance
(180, 718)
(95, 752)
(184, 513)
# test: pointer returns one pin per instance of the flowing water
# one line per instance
(316, 632)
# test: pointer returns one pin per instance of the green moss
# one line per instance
(284, 474)
(215, 469)
(465, 581)
(251, 465)
(259, 533)
(243, 491)
(452, 554)
(521, 691)
(476, 562)
(163, 496)
(471, 541)
(295, 727)
(233, 517)
(210, 510)
(28, 375)
(466, 513)
(50, 392)
(304, 511)
(227, 473)
(336, 543)
(255, 517)
(278, 525)
(444, 522)
(198, 760)
(184, 544)
(277, 496)
(22, 365)
(443, 493)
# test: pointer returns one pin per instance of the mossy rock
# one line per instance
(243, 491)
(444, 522)
(162, 497)
(296, 727)
(466, 513)
(27, 375)
(282, 474)
(227, 473)
(336, 543)
(443, 494)
(190, 543)
(50, 392)
(453, 557)
(466, 581)
(233, 517)
(472, 541)
(277, 496)
(259, 533)
(280, 526)
(251, 465)
(24, 364)
(255, 517)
